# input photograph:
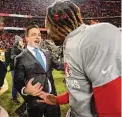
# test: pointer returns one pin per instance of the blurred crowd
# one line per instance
(100, 9)
(109, 9)
(91, 8)
(104, 11)
(25, 7)
(7, 40)
(22, 22)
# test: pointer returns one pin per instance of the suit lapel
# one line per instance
(32, 58)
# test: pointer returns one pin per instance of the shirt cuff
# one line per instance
(22, 92)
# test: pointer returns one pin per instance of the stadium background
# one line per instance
(18, 14)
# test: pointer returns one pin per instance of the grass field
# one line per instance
(5, 99)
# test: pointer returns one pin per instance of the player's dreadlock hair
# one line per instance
(62, 18)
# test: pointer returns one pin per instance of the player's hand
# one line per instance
(48, 98)
(33, 90)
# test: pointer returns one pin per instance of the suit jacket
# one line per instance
(27, 67)
(3, 71)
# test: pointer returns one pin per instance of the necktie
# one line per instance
(39, 57)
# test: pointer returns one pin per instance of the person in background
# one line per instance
(18, 46)
(8, 56)
(92, 62)
(15, 50)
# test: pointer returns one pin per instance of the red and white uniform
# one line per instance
(92, 57)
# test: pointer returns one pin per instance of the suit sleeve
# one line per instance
(3, 71)
(19, 77)
(102, 62)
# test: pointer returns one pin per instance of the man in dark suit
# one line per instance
(33, 69)
(3, 71)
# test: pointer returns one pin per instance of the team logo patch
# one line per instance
(67, 69)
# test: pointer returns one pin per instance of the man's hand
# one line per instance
(33, 90)
(48, 98)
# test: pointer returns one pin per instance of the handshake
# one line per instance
(36, 90)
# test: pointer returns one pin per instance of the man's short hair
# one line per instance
(30, 27)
